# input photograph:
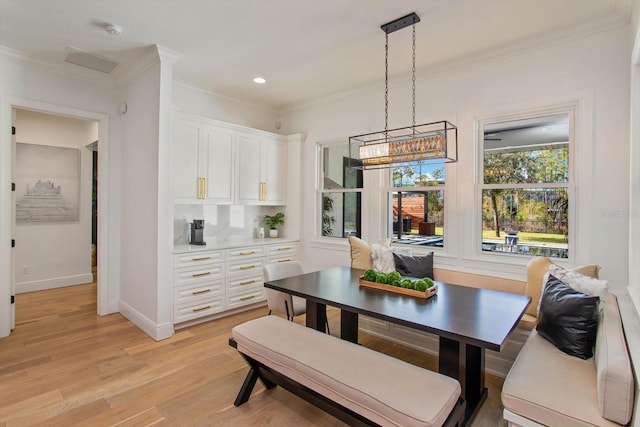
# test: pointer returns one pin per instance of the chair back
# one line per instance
(280, 301)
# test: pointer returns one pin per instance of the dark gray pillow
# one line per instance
(568, 318)
(414, 265)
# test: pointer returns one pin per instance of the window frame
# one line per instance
(320, 190)
(571, 187)
(388, 190)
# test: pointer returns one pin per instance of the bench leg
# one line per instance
(247, 387)
(250, 381)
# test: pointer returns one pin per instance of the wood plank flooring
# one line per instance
(65, 366)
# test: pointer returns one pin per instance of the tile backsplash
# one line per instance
(221, 222)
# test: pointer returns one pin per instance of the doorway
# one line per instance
(106, 291)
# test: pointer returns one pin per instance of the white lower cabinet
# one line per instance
(209, 283)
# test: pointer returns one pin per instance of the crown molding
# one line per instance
(67, 70)
(551, 38)
(190, 86)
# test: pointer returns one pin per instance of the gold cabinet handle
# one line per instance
(247, 253)
(284, 260)
(247, 298)
(264, 193)
(201, 274)
(204, 258)
(247, 267)
(283, 249)
(195, 310)
(247, 283)
(204, 291)
(204, 188)
(199, 188)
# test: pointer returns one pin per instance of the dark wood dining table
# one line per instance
(467, 320)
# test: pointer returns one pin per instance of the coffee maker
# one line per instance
(197, 232)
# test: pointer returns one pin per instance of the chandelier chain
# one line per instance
(386, 85)
(413, 79)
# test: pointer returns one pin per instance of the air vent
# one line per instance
(89, 60)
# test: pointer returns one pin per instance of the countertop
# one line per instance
(215, 244)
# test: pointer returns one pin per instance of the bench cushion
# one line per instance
(383, 389)
(615, 377)
(552, 388)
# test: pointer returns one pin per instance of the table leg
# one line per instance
(316, 315)
(349, 326)
(465, 363)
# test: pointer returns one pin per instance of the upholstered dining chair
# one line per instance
(280, 302)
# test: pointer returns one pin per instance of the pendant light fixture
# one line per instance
(415, 144)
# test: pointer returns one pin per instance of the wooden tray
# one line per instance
(398, 290)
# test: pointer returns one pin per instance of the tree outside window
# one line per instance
(525, 186)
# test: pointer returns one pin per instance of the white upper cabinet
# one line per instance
(202, 163)
(215, 163)
(261, 169)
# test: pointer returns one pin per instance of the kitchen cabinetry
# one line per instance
(202, 160)
(198, 285)
(211, 284)
(263, 163)
(220, 163)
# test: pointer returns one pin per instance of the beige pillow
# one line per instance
(361, 252)
(536, 269)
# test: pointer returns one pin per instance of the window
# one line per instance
(416, 208)
(340, 192)
(526, 186)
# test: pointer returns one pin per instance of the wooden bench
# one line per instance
(353, 383)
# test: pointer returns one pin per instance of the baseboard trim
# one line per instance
(156, 331)
(56, 282)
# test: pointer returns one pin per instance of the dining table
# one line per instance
(467, 320)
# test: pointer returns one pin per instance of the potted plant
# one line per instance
(273, 221)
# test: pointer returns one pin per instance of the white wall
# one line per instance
(593, 69)
(38, 248)
(190, 100)
(30, 85)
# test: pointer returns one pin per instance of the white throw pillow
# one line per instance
(382, 258)
(580, 282)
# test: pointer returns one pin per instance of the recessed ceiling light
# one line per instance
(259, 80)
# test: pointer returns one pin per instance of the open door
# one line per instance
(13, 220)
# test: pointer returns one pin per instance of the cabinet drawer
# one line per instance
(245, 253)
(282, 249)
(244, 284)
(190, 276)
(197, 292)
(197, 259)
(249, 267)
(245, 298)
(282, 258)
(184, 312)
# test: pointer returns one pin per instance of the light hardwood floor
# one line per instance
(65, 366)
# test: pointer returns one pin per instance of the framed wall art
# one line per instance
(47, 183)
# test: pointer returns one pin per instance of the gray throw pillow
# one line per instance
(568, 318)
(419, 266)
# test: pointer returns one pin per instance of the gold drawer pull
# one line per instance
(247, 283)
(201, 274)
(195, 310)
(247, 253)
(247, 298)
(204, 291)
(247, 267)
(284, 260)
(204, 258)
(283, 249)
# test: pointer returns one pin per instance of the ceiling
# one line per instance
(305, 49)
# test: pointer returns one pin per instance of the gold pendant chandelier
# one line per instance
(415, 144)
